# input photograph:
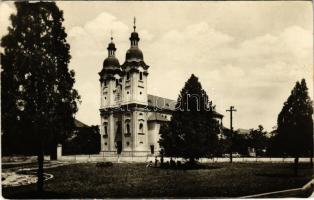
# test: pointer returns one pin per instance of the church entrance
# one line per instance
(152, 149)
(118, 138)
(119, 147)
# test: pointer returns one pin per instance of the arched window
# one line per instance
(105, 124)
(127, 128)
(141, 75)
(141, 127)
(106, 130)
(128, 76)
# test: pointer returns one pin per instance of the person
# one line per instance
(156, 161)
(149, 164)
(172, 163)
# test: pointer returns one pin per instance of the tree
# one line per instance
(258, 140)
(240, 144)
(193, 129)
(295, 124)
(167, 140)
(84, 140)
(38, 100)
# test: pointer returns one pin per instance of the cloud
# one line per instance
(257, 72)
(252, 64)
(5, 12)
(88, 50)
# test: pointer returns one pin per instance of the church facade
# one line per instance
(130, 117)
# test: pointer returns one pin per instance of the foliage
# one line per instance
(84, 140)
(192, 130)
(258, 140)
(38, 100)
(240, 144)
(295, 124)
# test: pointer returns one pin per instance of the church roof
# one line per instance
(217, 114)
(79, 124)
(161, 103)
(243, 131)
(155, 116)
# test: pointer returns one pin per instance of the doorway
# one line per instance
(152, 149)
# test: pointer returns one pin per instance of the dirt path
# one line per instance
(25, 175)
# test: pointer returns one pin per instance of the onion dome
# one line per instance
(134, 56)
(134, 53)
(111, 63)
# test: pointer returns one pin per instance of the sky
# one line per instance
(245, 54)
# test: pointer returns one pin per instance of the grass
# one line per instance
(135, 180)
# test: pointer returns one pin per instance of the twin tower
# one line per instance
(123, 108)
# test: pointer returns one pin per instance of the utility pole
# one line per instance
(231, 130)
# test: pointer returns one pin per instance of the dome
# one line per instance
(112, 62)
(134, 53)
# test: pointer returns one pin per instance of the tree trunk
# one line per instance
(311, 159)
(40, 171)
(296, 165)
(192, 161)
(40, 160)
(230, 157)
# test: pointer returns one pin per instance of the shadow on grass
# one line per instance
(33, 194)
(189, 167)
(278, 175)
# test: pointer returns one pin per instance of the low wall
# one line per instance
(147, 158)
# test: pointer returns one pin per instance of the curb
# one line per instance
(307, 189)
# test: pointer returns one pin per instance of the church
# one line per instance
(130, 117)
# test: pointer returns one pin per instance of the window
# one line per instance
(128, 76)
(106, 130)
(128, 128)
(140, 93)
(105, 83)
(117, 82)
(141, 127)
(106, 143)
(141, 75)
(127, 143)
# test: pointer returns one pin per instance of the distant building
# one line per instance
(130, 117)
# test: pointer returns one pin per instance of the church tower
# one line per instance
(123, 110)
(110, 84)
(135, 69)
(134, 122)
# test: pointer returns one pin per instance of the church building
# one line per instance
(130, 117)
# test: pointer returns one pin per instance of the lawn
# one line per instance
(135, 180)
